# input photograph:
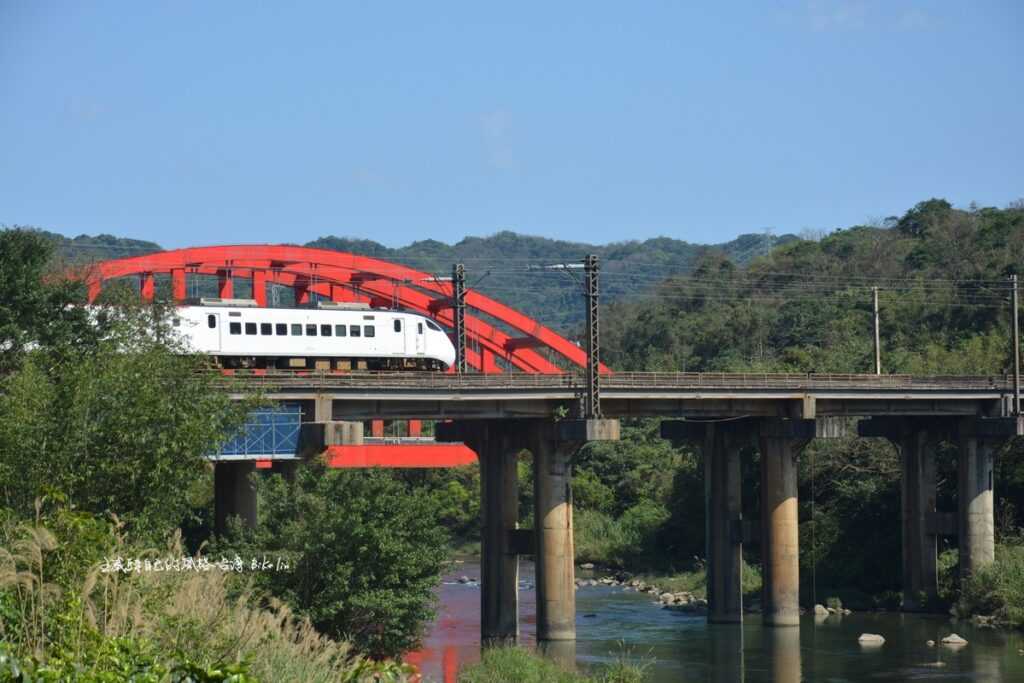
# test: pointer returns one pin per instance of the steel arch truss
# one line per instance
(338, 276)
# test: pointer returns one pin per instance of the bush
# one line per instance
(365, 552)
(628, 540)
(517, 665)
(996, 590)
(148, 626)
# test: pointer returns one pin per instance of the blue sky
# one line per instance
(203, 123)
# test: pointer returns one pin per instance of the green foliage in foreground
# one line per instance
(98, 408)
(996, 590)
(518, 665)
(365, 552)
(181, 626)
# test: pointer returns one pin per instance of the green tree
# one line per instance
(97, 406)
(365, 552)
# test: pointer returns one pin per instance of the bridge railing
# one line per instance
(278, 380)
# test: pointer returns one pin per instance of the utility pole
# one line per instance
(878, 343)
(1016, 345)
(592, 397)
(459, 310)
(592, 400)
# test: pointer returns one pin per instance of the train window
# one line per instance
(433, 326)
(266, 329)
(310, 330)
(296, 330)
(340, 330)
(369, 331)
(235, 328)
(398, 325)
(282, 329)
(325, 330)
(250, 328)
(353, 330)
(211, 321)
(419, 328)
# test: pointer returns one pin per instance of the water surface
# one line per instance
(685, 648)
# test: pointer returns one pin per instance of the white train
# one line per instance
(238, 334)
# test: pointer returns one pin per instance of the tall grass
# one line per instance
(203, 620)
(997, 589)
(625, 541)
(518, 665)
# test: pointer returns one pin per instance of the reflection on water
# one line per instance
(681, 647)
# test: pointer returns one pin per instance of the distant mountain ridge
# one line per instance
(499, 265)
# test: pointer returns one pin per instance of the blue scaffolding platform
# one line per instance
(268, 434)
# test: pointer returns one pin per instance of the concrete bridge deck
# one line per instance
(424, 395)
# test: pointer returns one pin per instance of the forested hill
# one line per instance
(943, 291)
(498, 265)
(88, 248)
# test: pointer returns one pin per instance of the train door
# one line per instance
(421, 338)
(212, 323)
(398, 326)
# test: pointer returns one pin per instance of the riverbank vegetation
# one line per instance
(518, 665)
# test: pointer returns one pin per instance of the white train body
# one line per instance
(242, 335)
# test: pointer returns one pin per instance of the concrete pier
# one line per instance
(723, 520)
(976, 522)
(552, 494)
(920, 546)
(233, 494)
(781, 442)
(916, 439)
(499, 563)
(720, 444)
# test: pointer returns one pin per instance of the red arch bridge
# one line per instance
(497, 338)
(527, 388)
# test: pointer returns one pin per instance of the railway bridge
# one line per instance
(520, 386)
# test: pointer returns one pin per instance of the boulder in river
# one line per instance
(820, 611)
(587, 565)
(930, 643)
(953, 640)
(870, 639)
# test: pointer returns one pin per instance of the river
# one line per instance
(679, 647)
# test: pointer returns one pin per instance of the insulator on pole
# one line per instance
(592, 399)
(459, 310)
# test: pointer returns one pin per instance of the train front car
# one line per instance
(330, 337)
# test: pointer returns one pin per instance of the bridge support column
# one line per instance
(552, 496)
(917, 440)
(977, 535)
(979, 439)
(720, 445)
(781, 442)
(723, 525)
(920, 548)
(499, 561)
(234, 493)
